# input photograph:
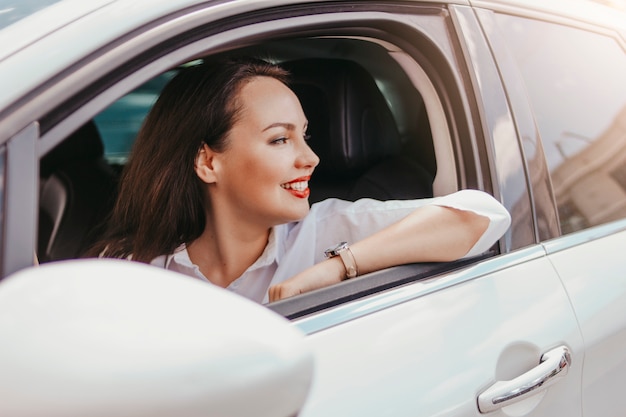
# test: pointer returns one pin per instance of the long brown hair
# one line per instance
(161, 202)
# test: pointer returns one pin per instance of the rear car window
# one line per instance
(577, 88)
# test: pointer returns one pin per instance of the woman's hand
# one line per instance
(328, 272)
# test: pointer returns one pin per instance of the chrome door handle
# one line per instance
(554, 365)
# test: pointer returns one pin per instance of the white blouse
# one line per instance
(293, 247)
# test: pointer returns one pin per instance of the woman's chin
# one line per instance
(298, 212)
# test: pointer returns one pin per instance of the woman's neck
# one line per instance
(225, 250)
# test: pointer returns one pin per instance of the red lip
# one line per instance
(301, 194)
(306, 178)
(297, 193)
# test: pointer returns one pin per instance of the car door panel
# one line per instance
(578, 108)
(594, 275)
(434, 354)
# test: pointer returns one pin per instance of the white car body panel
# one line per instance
(103, 338)
(434, 354)
(593, 274)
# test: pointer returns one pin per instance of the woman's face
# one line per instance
(264, 170)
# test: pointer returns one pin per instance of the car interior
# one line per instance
(77, 190)
(355, 135)
(368, 122)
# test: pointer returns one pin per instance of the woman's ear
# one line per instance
(205, 164)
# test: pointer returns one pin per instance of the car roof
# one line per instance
(50, 36)
(18, 20)
(606, 13)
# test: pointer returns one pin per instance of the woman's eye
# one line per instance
(279, 141)
(307, 137)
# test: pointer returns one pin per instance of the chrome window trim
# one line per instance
(583, 236)
(360, 308)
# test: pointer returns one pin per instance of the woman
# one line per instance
(217, 188)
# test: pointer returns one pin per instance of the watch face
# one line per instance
(341, 246)
(330, 252)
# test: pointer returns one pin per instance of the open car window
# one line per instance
(398, 99)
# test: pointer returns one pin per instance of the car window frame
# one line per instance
(542, 201)
(83, 105)
(21, 183)
(504, 163)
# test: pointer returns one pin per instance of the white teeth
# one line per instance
(298, 186)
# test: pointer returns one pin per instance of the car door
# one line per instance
(432, 348)
(578, 98)
(447, 345)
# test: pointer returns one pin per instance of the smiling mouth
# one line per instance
(298, 187)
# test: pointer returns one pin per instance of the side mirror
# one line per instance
(117, 338)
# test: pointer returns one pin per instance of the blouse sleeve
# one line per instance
(338, 220)
(484, 204)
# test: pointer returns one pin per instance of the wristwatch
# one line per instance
(343, 251)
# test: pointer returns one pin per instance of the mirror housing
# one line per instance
(101, 337)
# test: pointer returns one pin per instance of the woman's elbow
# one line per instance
(468, 228)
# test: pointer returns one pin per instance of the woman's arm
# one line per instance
(431, 233)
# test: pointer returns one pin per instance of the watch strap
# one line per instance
(347, 258)
(349, 262)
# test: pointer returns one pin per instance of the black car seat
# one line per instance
(77, 191)
(354, 133)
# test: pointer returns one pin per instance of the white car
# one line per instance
(525, 100)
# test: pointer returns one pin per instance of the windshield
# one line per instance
(13, 10)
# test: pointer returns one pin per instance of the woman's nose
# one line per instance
(307, 157)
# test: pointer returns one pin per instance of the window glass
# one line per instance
(119, 123)
(576, 84)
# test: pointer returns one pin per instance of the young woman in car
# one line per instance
(217, 188)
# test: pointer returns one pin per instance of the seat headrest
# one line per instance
(84, 144)
(350, 123)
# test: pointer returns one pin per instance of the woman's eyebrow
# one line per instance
(287, 126)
